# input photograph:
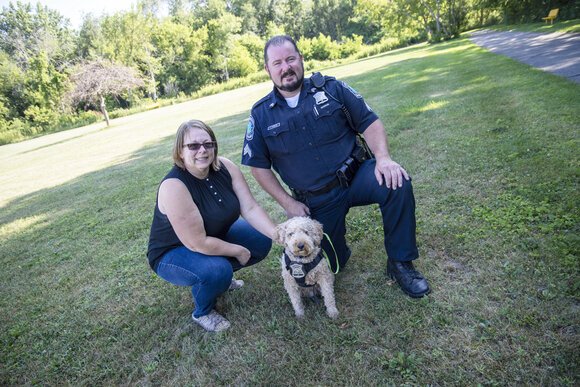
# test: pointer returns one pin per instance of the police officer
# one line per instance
(305, 130)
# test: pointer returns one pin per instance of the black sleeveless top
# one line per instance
(216, 200)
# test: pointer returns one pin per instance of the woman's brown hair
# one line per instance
(179, 142)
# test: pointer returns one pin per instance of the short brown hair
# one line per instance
(179, 142)
(278, 40)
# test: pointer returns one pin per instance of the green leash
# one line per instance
(326, 256)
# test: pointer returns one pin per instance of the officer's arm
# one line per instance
(387, 169)
(376, 138)
(271, 184)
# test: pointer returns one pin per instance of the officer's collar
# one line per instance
(276, 97)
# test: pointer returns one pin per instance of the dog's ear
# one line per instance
(280, 234)
(317, 230)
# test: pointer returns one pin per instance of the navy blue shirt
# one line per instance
(307, 144)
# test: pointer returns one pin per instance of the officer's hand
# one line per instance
(391, 172)
(296, 208)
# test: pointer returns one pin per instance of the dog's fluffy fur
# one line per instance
(301, 237)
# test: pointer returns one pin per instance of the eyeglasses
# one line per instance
(194, 146)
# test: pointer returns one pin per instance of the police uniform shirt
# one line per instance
(307, 144)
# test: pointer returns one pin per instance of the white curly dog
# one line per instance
(303, 267)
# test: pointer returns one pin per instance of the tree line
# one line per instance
(53, 76)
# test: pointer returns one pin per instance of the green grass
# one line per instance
(543, 27)
(492, 146)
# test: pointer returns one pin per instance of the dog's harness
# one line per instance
(300, 270)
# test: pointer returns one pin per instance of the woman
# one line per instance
(197, 237)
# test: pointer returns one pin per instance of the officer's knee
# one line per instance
(407, 187)
(401, 195)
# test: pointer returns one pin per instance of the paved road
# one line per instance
(558, 53)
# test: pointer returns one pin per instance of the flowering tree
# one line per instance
(94, 80)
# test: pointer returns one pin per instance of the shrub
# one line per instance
(241, 62)
(351, 46)
(43, 117)
(16, 130)
(10, 136)
(305, 47)
(386, 44)
(323, 48)
(255, 46)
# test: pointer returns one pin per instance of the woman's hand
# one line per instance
(244, 256)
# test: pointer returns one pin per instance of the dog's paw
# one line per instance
(332, 313)
(299, 315)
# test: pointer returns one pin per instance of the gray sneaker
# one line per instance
(236, 284)
(212, 322)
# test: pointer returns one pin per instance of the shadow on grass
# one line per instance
(75, 259)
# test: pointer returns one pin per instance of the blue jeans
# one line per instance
(397, 209)
(211, 275)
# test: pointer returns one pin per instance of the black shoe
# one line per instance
(410, 280)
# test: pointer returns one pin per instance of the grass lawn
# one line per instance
(542, 27)
(492, 146)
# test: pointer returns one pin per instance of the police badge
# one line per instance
(320, 97)
(297, 271)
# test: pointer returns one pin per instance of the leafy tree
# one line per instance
(247, 13)
(241, 62)
(90, 38)
(95, 80)
(206, 10)
(26, 31)
(45, 87)
(255, 46)
(220, 45)
(293, 17)
(149, 7)
(12, 87)
(330, 17)
(39, 45)
(184, 62)
(126, 38)
(266, 12)
(439, 19)
(372, 19)
(178, 10)
(483, 12)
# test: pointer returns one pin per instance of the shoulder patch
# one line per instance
(353, 91)
(250, 129)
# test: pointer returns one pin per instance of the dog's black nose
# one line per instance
(300, 246)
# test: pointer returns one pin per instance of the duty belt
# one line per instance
(327, 188)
